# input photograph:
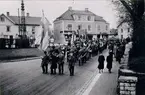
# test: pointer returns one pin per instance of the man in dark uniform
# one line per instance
(54, 60)
(71, 63)
(44, 63)
(61, 63)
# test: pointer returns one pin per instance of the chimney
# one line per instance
(69, 8)
(28, 14)
(8, 13)
(86, 9)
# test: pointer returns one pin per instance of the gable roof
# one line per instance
(68, 15)
(29, 20)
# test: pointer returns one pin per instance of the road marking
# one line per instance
(92, 84)
(88, 90)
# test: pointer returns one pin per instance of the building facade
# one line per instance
(124, 30)
(80, 22)
(9, 26)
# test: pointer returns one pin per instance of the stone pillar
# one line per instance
(127, 85)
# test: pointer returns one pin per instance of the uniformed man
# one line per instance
(61, 62)
(54, 60)
(44, 63)
(71, 63)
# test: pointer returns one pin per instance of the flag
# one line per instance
(44, 34)
(59, 38)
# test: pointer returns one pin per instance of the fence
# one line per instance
(16, 43)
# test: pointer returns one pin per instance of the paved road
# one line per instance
(26, 78)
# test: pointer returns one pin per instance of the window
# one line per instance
(69, 26)
(106, 27)
(128, 29)
(79, 17)
(33, 28)
(89, 28)
(121, 30)
(8, 28)
(5, 36)
(2, 19)
(79, 27)
(89, 18)
(99, 27)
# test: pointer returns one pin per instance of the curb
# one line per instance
(16, 60)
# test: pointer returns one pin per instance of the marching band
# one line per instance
(79, 52)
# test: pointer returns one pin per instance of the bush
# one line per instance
(137, 64)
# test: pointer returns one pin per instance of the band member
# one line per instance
(54, 60)
(44, 63)
(101, 60)
(71, 64)
(61, 63)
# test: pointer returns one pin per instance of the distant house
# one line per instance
(113, 33)
(81, 22)
(124, 30)
(9, 26)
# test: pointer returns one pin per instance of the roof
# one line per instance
(68, 15)
(29, 20)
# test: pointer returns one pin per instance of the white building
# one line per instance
(80, 21)
(124, 30)
(9, 26)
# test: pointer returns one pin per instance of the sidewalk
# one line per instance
(106, 83)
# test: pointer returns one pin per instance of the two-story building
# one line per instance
(124, 30)
(81, 22)
(9, 26)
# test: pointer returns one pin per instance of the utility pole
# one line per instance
(19, 28)
(23, 25)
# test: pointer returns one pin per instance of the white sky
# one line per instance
(54, 8)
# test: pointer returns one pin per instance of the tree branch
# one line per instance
(127, 7)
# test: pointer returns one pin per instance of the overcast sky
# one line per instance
(54, 8)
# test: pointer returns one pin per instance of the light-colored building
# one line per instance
(80, 21)
(9, 26)
(124, 30)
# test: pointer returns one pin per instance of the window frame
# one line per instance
(99, 28)
(121, 30)
(79, 27)
(79, 17)
(106, 27)
(2, 19)
(8, 28)
(68, 27)
(89, 27)
(89, 18)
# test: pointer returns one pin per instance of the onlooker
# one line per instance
(101, 60)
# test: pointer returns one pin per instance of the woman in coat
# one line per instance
(109, 62)
(101, 60)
